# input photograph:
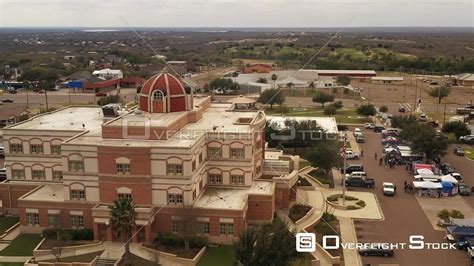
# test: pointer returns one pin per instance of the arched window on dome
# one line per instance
(158, 95)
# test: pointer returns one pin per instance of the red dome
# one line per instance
(164, 82)
(164, 93)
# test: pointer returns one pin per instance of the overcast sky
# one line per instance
(236, 13)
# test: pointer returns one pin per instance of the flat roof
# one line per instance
(49, 192)
(216, 118)
(327, 123)
(69, 118)
(232, 198)
(328, 71)
(388, 78)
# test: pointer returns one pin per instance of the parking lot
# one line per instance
(403, 214)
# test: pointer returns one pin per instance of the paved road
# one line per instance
(465, 167)
(403, 217)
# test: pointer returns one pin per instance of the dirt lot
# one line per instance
(392, 95)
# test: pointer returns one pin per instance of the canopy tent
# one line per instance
(431, 178)
(403, 148)
(449, 178)
(424, 171)
(427, 185)
(422, 166)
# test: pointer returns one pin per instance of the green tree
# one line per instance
(262, 80)
(366, 109)
(424, 140)
(223, 83)
(274, 79)
(325, 156)
(338, 104)
(443, 214)
(122, 220)
(440, 93)
(383, 109)
(290, 85)
(344, 80)
(109, 99)
(323, 98)
(457, 127)
(330, 110)
(271, 97)
(269, 244)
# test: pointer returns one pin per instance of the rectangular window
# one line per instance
(76, 166)
(57, 175)
(222, 229)
(215, 179)
(53, 220)
(237, 179)
(175, 169)
(36, 148)
(123, 168)
(124, 195)
(200, 157)
(77, 221)
(78, 195)
(204, 227)
(38, 174)
(32, 218)
(18, 174)
(226, 229)
(55, 149)
(175, 226)
(16, 148)
(213, 152)
(237, 153)
(175, 198)
(193, 165)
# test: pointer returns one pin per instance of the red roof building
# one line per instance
(258, 68)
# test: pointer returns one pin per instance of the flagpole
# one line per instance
(344, 170)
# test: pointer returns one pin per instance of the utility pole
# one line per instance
(344, 169)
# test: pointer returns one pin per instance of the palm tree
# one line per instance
(274, 78)
(122, 220)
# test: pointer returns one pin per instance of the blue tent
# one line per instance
(447, 187)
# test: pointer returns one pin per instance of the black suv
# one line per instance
(378, 128)
(376, 251)
(353, 168)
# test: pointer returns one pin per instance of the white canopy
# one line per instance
(424, 172)
(427, 185)
(449, 178)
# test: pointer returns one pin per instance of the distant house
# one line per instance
(465, 79)
(9, 115)
(108, 73)
(387, 80)
(258, 68)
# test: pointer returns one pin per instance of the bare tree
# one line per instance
(187, 223)
(57, 252)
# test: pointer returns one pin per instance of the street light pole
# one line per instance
(344, 170)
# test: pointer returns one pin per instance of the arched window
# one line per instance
(158, 95)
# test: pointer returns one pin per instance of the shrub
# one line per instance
(197, 242)
(303, 182)
(68, 234)
(330, 110)
(383, 109)
(353, 207)
(360, 203)
(167, 239)
(109, 99)
(338, 104)
(333, 198)
(298, 211)
(50, 233)
(81, 234)
(456, 214)
(328, 217)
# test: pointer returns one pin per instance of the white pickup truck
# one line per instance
(351, 155)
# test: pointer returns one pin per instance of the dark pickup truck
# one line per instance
(360, 182)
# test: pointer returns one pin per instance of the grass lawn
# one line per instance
(6, 223)
(342, 116)
(22, 245)
(304, 163)
(12, 263)
(469, 153)
(218, 256)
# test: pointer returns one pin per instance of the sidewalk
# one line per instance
(348, 235)
(9, 237)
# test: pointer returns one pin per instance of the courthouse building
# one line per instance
(175, 152)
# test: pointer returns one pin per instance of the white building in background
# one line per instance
(387, 80)
(298, 78)
(108, 73)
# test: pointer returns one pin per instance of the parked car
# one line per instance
(357, 131)
(469, 139)
(351, 155)
(353, 168)
(389, 189)
(369, 125)
(447, 169)
(101, 94)
(342, 127)
(470, 253)
(457, 176)
(378, 128)
(459, 151)
(357, 174)
(360, 139)
(7, 100)
(376, 251)
(401, 110)
(423, 118)
(464, 189)
(359, 181)
(3, 174)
